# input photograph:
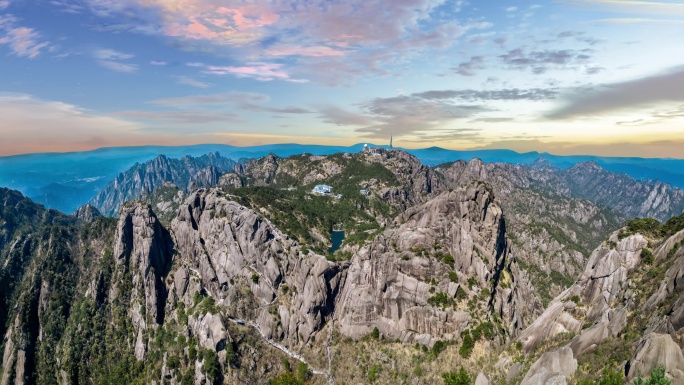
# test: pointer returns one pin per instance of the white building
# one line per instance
(322, 189)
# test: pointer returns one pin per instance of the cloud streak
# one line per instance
(634, 6)
(22, 41)
(264, 72)
(540, 62)
(476, 95)
(640, 92)
(114, 60)
(417, 115)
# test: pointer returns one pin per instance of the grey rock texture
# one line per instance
(549, 229)
(143, 249)
(87, 213)
(552, 368)
(147, 177)
(481, 379)
(603, 281)
(623, 193)
(389, 288)
(670, 288)
(657, 349)
(234, 244)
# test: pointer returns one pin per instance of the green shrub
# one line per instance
(373, 373)
(673, 226)
(453, 277)
(443, 300)
(612, 377)
(457, 378)
(375, 334)
(461, 294)
(471, 282)
(286, 378)
(468, 345)
(438, 347)
(657, 378)
(646, 256)
(303, 372)
(255, 278)
(449, 260)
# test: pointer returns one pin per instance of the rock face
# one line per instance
(147, 177)
(481, 379)
(657, 349)
(234, 244)
(552, 368)
(548, 227)
(623, 193)
(390, 287)
(143, 250)
(603, 281)
(87, 213)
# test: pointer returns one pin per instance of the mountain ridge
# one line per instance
(85, 173)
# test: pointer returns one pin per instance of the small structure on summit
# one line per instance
(322, 189)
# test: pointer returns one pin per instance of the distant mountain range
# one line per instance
(65, 181)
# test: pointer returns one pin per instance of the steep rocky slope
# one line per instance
(622, 312)
(454, 242)
(440, 271)
(624, 194)
(187, 172)
(551, 232)
(222, 273)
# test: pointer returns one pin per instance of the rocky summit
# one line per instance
(211, 271)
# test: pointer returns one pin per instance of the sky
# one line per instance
(602, 77)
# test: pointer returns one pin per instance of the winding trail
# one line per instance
(287, 351)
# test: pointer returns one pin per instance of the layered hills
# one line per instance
(215, 271)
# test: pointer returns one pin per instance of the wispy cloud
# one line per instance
(159, 63)
(468, 68)
(481, 95)
(114, 60)
(315, 51)
(192, 82)
(639, 20)
(110, 54)
(242, 100)
(4, 4)
(410, 115)
(616, 96)
(182, 117)
(633, 6)
(22, 41)
(118, 66)
(257, 70)
(540, 62)
(355, 38)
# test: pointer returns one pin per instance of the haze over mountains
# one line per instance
(65, 181)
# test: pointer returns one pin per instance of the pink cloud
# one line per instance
(250, 17)
(24, 42)
(315, 51)
(259, 71)
(361, 37)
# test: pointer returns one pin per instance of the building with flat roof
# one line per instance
(322, 189)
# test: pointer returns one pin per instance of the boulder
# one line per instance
(657, 349)
(552, 368)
